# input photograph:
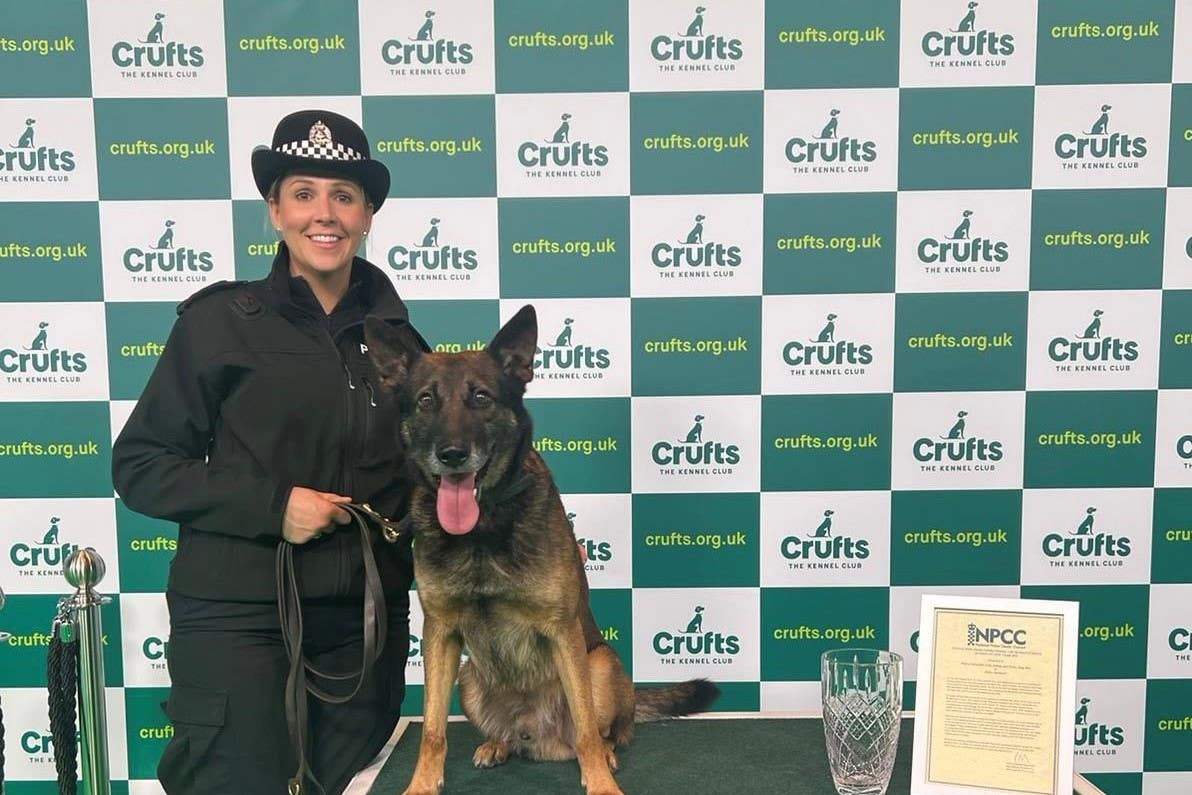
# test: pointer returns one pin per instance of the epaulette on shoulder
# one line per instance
(219, 286)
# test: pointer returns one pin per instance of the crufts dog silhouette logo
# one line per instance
(825, 527)
(26, 139)
(155, 32)
(1093, 329)
(957, 429)
(563, 338)
(1101, 125)
(40, 342)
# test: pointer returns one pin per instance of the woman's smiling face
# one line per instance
(322, 220)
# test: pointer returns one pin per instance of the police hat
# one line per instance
(322, 142)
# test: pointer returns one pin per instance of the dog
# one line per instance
(564, 338)
(1082, 714)
(40, 342)
(696, 235)
(825, 527)
(828, 332)
(563, 133)
(957, 429)
(696, 28)
(155, 32)
(696, 434)
(970, 20)
(167, 237)
(1086, 526)
(1093, 329)
(829, 130)
(499, 569)
(26, 140)
(961, 232)
(431, 238)
(424, 32)
(1101, 125)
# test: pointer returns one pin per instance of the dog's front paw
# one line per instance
(490, 753)
(421, 788)
(613, 790)
(606, 787)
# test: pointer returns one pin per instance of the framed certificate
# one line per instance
(995, 700)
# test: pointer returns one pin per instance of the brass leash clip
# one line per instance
(390, 529)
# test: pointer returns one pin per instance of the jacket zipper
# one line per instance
(344, 471)
(372, 404)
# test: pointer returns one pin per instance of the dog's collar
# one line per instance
(503, 492)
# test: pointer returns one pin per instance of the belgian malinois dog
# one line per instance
(499, 570)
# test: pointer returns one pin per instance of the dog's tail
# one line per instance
(673, 701)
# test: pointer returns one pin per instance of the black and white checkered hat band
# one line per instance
(316, 152)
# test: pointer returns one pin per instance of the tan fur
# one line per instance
(540, 681)
(528, 670)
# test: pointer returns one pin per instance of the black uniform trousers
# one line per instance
(228, 671)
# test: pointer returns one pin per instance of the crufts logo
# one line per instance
(430, 260)
(1090, 351)
(38, 362)
(37, 163)
(825, 354)
(960, 252)
(695, 644)
(42, 558)
(561, 155)
(830, 152)
(695, 51)
(156, 50)
(1098, 147)
(427, 53)
(598, 552)
(163, 261)
(966, 40)
(824, 549)
(1094, 738)
(963, 451)
(694, 256)
(564, 359)
(1084, 547)
(695, 455)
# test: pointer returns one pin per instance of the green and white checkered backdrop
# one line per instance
(841, 303)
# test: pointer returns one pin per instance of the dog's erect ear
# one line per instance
(393, 351)
(513, 346)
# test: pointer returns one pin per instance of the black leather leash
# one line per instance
(290, 611)
(289, 607)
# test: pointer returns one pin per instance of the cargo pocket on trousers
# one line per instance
(197, 715)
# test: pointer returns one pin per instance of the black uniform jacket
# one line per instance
(258, 391)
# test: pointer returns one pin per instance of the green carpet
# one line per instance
(692, 756)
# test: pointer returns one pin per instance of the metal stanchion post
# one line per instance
(84, 569)
(3, 637)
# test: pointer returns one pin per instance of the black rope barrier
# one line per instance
(62, 678)
(1, 747)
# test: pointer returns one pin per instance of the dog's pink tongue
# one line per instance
(457, 508)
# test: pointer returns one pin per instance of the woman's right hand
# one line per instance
(311, 513)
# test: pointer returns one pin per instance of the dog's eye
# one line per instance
(426, 401)
(481, 397)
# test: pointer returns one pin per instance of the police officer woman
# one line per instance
(260, 420)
